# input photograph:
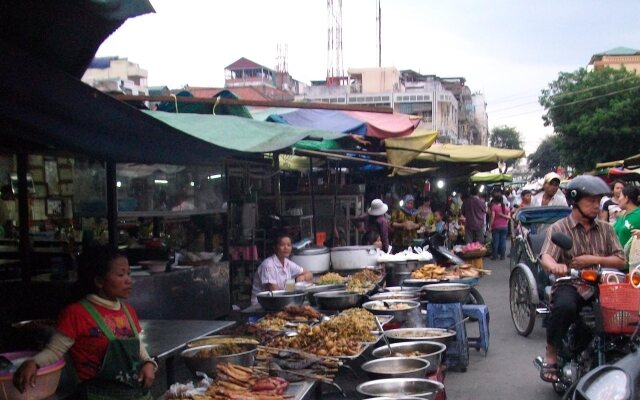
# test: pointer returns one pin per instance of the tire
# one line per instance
(515, 254)
(474, 297)
(523, 311)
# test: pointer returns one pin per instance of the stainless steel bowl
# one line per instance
(311, 290)
(446, 292)
(208, 364)
(433, 352)
(396, 367)
(402, 289)
(398, 315)
(337, 300)
(398, 387)
(420, 334)
(395, 398)
(279, 299)
(408, 295)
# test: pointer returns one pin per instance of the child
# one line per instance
(372, 238)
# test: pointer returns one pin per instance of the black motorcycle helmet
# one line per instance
(586, 185)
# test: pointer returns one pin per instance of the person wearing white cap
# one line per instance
(378, 221)
(550, 195)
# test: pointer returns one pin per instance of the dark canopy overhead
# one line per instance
(66, 33)
(43, 106)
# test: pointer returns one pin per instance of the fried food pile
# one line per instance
(363, 281)
(297, 313)
(235, 382)
(433, 271)
(341, 336)
(330, 278)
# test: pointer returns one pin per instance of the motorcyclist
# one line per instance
(594, 243)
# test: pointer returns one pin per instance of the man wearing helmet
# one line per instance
(594, 243)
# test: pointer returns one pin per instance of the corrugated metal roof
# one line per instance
(619, 51)
(245, 63)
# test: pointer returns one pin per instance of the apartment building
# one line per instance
(616, 58)
(115, 74)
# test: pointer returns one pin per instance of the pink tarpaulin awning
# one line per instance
(383, 126)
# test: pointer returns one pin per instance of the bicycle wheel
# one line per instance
(523, 311)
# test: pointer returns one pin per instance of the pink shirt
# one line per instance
(498, 220)
(273, 272)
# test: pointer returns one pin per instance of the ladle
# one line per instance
(458, 323)
(383, 335)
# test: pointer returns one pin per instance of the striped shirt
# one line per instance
(599, 240)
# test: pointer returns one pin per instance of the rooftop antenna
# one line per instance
(379, 19)
(335, 71)
(281, 59)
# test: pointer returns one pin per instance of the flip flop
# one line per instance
(549, 369)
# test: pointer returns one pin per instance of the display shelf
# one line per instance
(169, 214)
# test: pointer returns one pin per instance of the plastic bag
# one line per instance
(632, 251)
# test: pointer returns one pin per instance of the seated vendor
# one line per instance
(277, 269)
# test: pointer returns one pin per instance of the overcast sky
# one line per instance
(508, 49)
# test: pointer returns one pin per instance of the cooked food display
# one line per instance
(363, 281)
(433, 271)
(330, 278)
(221, 340)
(222, 350)
(418, 334)
(297, 313)
(272, 324)
(380, 305)
(429, 271)
(341, 336)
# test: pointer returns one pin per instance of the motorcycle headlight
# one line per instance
(611, 384)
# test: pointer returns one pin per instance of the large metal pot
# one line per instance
(430, 351)
(396, 367)
(397, 387)
(207, 365)
(278, 299)
(311, 290)
(337, 300)
(406, 295)
(445, 292)
(418, 334)
(398, 315)
(353, 257)
(314, 259)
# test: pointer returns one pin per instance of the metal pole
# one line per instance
(379, 35)
(313, 200)
(23, 216)
(112, 203)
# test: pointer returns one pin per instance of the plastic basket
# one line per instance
(620, 303)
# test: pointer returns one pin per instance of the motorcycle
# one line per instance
(586, 345)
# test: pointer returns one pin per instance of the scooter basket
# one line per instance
(620, 304)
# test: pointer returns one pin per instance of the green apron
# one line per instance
(118, 375)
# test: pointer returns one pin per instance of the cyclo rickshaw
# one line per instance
(528, 281)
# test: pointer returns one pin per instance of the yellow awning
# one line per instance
(415, 143)
(610, 164)
(469, 153)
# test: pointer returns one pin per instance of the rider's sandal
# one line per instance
(549, 372)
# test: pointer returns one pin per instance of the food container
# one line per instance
(208, 364)
(353, 257)
(402, 289)
(337, 300)
(314, 259)
(419, 334)
(154, 266)
(385, 296)
(445, 292)
(431, 351)
(278, 299)
(394, 398)
(311, 290)
(399, 387)
(396, 367)
(220, 339)
(47, 379)
(400, 315)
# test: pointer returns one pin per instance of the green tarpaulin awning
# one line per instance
(246, 135)
(489, 177)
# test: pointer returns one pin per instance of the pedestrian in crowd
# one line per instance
(610, 207)
(525, 198)
(474, 212)
(378, 222)
(425, 213)
(499, 222)
(372, 238)
(629, 221)
(550, 195)
(404, 221)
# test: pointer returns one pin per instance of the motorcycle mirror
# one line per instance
(562, 240)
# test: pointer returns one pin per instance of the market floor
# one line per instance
(507, 371)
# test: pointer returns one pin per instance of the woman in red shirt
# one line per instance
(101, 332)
(498, 223)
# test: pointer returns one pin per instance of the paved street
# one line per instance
(507, 372)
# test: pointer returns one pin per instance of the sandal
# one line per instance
(549, 372)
